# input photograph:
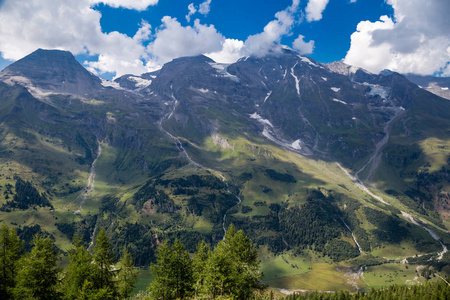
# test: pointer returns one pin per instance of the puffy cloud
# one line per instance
(231, 51)
(416, 40)
(314, 9)
(301, 46)
(75, 26)
(173, 40)
(192, 10)
(144, 32)
(111, 64)
(361, 53)
(130, 4)
(262, 43)
(204, 9)
(68, 25)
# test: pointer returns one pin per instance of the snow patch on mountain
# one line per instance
(140, 82)
(297, 145)
(204, 91)
(12, 80)
(379, 90)
(25, 82)
(267, 97)
(308, 61)
(113, 84)
(221, 69)
(297, 81)
(260, 119)
(340, 101)
(335, 89)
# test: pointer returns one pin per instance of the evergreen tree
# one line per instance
(127, 274)
(233, 267)
(104, 262)
(79, 273)
(37, 275)
(10, 250)
(173, 273)
(90, 292)
(200, 262)
(219, 272)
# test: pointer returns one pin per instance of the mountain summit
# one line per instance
(52, 71)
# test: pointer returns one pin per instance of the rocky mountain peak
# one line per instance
(51, 71)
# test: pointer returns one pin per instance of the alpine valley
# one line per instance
(339, 176)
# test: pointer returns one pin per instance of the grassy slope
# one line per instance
(249, 154)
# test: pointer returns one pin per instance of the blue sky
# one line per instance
(115, 37)
(240, 19)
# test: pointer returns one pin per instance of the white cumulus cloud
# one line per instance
(303, 47)
(68, 25)
(416, 40)
(231, 51)
(204, 8)
(173, 40)
(314, 9)
(191, 10)
(262, 43)
(75, 26)
(130, 4)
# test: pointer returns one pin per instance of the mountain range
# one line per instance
(337, 174)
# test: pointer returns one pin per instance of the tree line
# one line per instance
(36, 275)
(229, 271)
(426, 291)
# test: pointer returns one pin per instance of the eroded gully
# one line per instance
(91, 180)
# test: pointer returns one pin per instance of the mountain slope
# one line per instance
(436, 85)
(317, 163)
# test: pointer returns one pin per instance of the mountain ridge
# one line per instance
(174, 150)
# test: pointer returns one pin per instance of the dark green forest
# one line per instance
(229, 271)
(26, 196)
(427, 291)
(37, 274)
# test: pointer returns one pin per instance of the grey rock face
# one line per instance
(437, 85)
(53, 71)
